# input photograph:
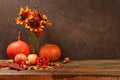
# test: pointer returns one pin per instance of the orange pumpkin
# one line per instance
(51, 51)
(18, 47)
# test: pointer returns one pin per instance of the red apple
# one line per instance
(32, 58)
(19, 58)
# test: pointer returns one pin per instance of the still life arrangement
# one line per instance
(32, 56)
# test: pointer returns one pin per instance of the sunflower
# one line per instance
(24, 15)
(43, 18)
(37, 23)
(34, 24)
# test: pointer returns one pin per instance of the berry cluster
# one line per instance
(43, 62)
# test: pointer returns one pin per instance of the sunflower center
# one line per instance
(23, 16)
(35, 23)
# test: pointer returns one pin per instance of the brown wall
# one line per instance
(84, 29)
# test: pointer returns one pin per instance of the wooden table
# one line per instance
(76, 70)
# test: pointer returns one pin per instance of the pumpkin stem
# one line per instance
(20, 36)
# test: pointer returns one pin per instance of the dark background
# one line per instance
(84, 29)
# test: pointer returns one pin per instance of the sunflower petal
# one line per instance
(21, 10)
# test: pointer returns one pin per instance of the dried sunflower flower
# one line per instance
(24, 15)
(35, 22)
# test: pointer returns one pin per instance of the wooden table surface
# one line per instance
(106, 68)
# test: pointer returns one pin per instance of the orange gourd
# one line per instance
(18, 47)
(51, 51)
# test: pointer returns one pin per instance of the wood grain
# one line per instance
(80, 67)
(75, 70)
(57, 77)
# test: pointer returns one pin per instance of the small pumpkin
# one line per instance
(18, 47)
(51, 51)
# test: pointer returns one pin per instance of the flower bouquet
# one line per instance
(34, 21)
